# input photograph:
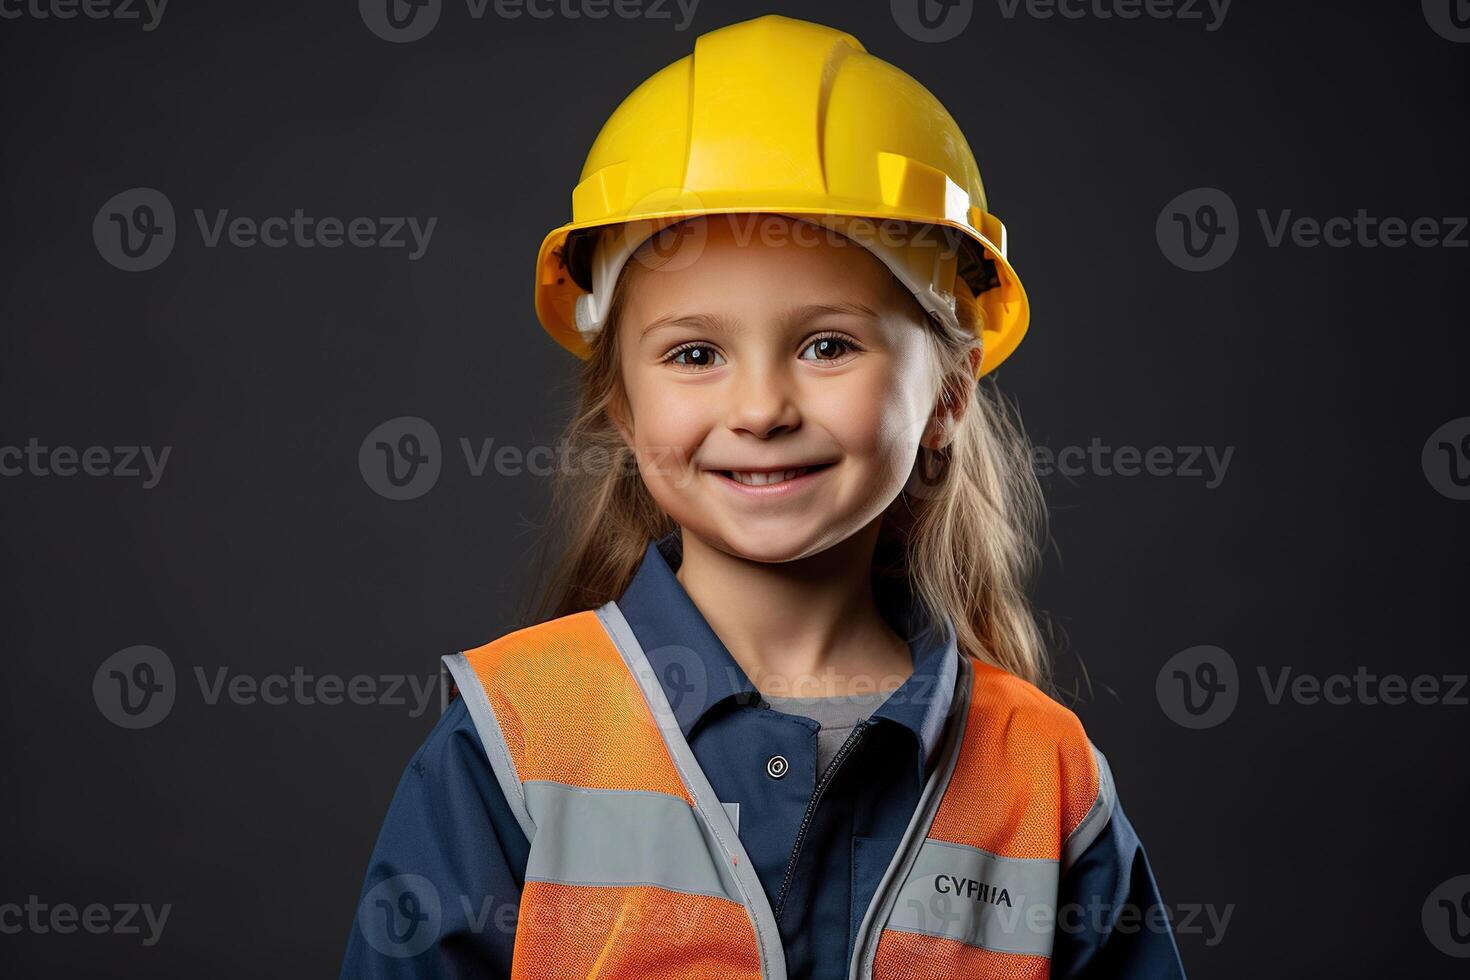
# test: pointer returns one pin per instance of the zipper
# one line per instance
(876, 917)
(843, 751)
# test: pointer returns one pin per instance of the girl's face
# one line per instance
(755, 347)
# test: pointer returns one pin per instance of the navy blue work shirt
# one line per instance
(450, 827)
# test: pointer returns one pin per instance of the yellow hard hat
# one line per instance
(784, 116)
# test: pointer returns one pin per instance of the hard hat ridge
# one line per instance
(788, 117)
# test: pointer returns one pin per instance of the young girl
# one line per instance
(785, 716)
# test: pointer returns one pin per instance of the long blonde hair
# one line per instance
(966, 544)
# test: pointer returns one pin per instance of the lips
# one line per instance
(768, 477)
(762, 479)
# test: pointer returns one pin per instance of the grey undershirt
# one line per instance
(836, 715)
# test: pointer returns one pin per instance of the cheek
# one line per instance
(876, 417)
(668, 426)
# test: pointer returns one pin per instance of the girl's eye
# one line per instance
(830, 348)
(695, 356)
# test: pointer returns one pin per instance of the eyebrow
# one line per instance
(721, 323)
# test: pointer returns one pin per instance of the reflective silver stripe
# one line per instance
(732, 810)
(712, 813)
(963, 893)
(622, 837)
(865, 947)
(1096, 820)
(483, 715)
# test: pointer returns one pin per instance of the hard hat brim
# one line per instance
(1005, 306)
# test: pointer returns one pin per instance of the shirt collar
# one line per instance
(697, 672)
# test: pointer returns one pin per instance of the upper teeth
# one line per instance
(761, 479)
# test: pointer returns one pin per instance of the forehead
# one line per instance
(744, 257)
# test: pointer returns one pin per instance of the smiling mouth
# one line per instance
(765, 478)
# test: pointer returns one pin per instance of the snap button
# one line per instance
(776, 766)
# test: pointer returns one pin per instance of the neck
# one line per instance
(806, 628)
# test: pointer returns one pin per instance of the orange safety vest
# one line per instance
(636, 871)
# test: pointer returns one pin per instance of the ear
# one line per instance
(951, 404)
(939, 430)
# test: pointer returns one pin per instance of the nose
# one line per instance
(763, 403)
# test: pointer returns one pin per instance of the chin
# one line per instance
(772, 543)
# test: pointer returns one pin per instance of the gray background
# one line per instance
(263, 549)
